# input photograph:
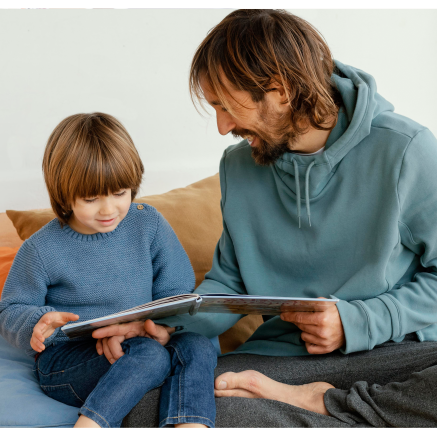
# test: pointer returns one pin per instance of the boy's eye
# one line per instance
(120, 194)
(90, 200)
(224, 109)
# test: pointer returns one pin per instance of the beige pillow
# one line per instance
(194, 214)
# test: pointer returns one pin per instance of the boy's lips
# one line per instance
(107, 222)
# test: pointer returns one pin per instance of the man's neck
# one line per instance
(313, 140)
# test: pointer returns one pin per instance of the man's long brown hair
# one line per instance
(253, 48)
(89, 155)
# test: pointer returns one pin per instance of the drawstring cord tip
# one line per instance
(309, 220)
(299, 222)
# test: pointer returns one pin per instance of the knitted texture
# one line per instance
(58, 269)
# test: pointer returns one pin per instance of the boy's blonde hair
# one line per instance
(89, 155)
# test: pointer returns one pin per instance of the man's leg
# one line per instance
(386, 363)
(412, 403)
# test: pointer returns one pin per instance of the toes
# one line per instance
(249, 380)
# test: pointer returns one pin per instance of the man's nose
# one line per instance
(225, 122)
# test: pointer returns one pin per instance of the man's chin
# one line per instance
(266, 156)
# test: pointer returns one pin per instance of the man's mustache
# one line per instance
(241, 133)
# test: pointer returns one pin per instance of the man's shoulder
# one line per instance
(397, 125)
(236, 151)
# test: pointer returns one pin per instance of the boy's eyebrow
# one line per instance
(215, 103)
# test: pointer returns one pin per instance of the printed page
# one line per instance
(262, 305)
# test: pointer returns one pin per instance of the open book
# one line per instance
(193, 303)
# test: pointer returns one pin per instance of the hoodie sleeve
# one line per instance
(413, 306)
(224, 277)
(22, 302)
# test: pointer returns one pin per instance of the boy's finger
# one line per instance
(99, 347)
(36, 345)
(62, 318)
(107, 351)
(114, 344)
(151, 328)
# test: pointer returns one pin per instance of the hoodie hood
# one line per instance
(361, 105)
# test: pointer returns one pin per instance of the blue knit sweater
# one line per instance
(58, 269)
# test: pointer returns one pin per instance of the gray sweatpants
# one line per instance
(373, 388)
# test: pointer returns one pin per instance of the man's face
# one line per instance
(265, 124)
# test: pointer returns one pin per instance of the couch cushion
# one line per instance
(7, 256)
(22, 402)
(8, 234)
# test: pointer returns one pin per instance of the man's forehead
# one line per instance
(233, 96)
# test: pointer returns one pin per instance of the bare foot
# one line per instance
(253, 384)
(190, 425)
(85, 422)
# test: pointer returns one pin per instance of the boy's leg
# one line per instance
(69, 371)
(187, 396)
(144, 366)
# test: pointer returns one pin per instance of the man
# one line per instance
(329, 194)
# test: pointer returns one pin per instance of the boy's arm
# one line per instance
(22, 302)
(172, 271)
(224, 277)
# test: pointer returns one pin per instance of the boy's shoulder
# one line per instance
(46, 233)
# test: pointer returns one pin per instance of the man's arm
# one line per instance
(413, 306)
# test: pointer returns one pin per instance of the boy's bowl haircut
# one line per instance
(89, 155)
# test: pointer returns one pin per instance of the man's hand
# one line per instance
(46, 327)
(110, 337)
(322, 331)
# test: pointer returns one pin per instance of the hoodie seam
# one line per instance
(398, 334)
(402, 166)
(369, 333)
(237, 147)
(359, 126)
(409, 232)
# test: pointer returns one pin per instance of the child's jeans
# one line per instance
(73, 373)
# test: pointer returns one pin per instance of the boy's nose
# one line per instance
(107, 209)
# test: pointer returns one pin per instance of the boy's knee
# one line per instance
(197, 347)
(146, 349)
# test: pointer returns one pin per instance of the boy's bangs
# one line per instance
(102, 175)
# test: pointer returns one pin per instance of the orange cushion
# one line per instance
(7, 255)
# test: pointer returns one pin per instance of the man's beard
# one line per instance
(270, 148)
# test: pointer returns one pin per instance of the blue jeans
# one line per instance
(73, 373)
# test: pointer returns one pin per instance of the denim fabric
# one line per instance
(73, 373)
(187, 396)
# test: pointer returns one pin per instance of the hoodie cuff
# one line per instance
(356, 325)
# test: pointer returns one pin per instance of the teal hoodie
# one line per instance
(358, 222)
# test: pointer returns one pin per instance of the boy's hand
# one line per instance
(46, 327)
(110, 337)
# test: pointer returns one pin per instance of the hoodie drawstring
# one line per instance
(296, 178)
(307, 190)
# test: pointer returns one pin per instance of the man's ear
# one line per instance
(277, 96)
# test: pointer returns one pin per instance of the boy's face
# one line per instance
(101, 213)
